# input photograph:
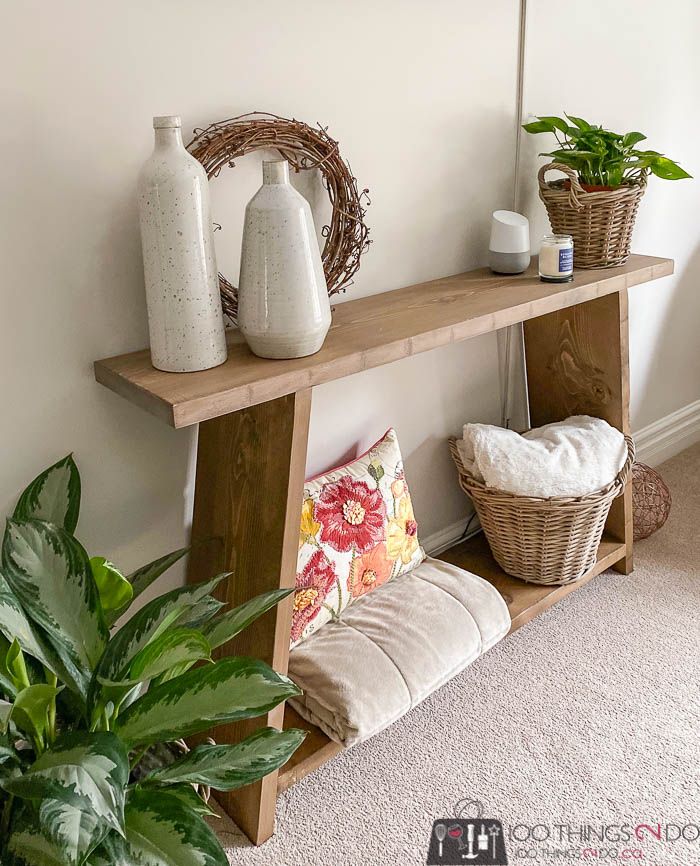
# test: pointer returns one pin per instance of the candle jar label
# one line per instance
(566, 260)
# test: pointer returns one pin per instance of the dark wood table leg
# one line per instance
(247, 512)
(578, 364)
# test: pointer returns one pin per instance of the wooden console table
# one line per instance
(253, 417)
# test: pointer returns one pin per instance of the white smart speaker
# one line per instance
(509, 247)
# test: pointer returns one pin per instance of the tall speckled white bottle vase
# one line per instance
(283, 306)
(185, 321)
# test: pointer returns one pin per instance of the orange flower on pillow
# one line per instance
(370, 570)
(402, 540)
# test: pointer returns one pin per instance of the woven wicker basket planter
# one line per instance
(601, 223)
(546, 541)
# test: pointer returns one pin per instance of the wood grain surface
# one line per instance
(366, 333)
(248, 497)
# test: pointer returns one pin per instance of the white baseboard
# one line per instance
(655, 443)
(442, 539)
(668, 436)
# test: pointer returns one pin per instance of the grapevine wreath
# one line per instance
(304, 147)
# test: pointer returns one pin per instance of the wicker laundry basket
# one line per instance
(547, 541)
(601, 223)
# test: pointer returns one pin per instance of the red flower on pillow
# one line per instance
(350, 513)
(312, 586)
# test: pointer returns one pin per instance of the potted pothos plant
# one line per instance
(606, 178)
(84, 703)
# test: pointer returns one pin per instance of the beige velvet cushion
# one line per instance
(393, 647)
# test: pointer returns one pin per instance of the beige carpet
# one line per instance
(589, 715)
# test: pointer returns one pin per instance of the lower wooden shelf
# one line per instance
(525, 601)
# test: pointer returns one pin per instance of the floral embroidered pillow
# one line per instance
(358, 531)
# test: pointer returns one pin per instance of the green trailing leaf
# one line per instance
(146, 625)
(143, 577)
(30, 710)
(86, 770)
(228, 690)
(229, 767)
(161, 830)
(666, 168)
(72, 830)
(50, 575)
(579, 122)
(601, 157)
(54, 496)
(114, 589)
(220, 630)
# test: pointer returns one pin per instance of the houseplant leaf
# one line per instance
(30, 709)
(50, 575)
(582, 124)
(114, 589)
(191, 798)
(220, 630)
(666, 168)
(54, 496)
(83, 769)
(15, 625)
(161, 830)
(143, 577)
(5, 710)
(229, 767)
(632, 138)
(173, 648)
(230, 689)
(28, 846)
(147, 624)
(72, 830)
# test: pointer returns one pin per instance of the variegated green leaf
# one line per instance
(49, 573)
(161, 830)
(231, 689)
(191, 798)
(114, 589)
(15, 625)
(229, 767)
(53, 496)
(74, 831)
(143, 577)
(201, 613)
(29, 847)
(220, 630)
(173, 648)
(145, 625)
(86, 770)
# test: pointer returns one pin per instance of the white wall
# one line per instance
(421, 97)
(631, 66)
(424, 113)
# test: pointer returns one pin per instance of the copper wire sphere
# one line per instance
(651, 500)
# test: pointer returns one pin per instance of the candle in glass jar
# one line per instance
(557, 259)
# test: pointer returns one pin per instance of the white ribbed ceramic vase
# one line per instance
(185, 321)
(283, 306)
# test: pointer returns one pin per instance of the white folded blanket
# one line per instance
(569, 458)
